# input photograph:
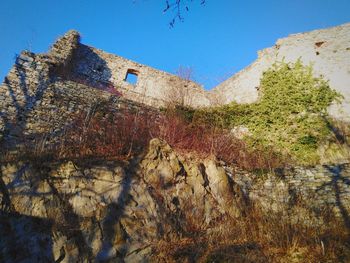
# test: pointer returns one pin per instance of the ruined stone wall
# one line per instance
(153, 86)
(42, 92)
(29, 91)
(34, 100)
(320, 187)
(328, 50)
(28, 82)
(59, 106)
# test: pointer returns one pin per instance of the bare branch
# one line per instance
(178, 6)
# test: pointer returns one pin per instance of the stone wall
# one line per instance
(42, 92)
(60, 104)
(328, 50)
(36, 99)
(153, 86)
(26, 89)
(81, 72)
(320, 187)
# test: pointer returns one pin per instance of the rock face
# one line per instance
(328, 50)
(112, 211)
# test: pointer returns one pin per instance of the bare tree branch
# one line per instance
(178, 6)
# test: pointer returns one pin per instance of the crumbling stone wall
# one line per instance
(153, 87)
(328, 50)
(35, 100)
(320, 187)
(42, 92)
(59, 105)
(31, 88)
(28, 82)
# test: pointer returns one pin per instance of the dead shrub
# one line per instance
(206, 140)
(121, 135)
(107, 135)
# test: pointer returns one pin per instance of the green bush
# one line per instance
(290, 115)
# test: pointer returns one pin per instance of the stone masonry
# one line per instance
(42, 91)
(327, 50)
(114, 210)
(37, 98)
(153, 87)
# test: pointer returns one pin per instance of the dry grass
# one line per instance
(121, 136)
(261, 237)
(104, 136)
(206, 140)
(257, 236)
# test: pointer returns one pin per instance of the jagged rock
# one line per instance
(221, 187)
(115, 211)
(161, 164)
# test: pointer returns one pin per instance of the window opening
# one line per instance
(131, 76)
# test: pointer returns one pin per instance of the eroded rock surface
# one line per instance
(111, 210)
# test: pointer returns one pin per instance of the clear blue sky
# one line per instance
(216, 40)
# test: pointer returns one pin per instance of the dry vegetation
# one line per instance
(107, 134)
(260, 236)
(256, 236)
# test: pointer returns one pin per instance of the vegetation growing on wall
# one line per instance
(290, 116)
(107, 135)
(289, 120)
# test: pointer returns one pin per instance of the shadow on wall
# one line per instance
(338, 183)
(338, 132)
(25, 91)
(28, 82)
(90, 69)
(32, 188)
(19, 194)
(25, 238)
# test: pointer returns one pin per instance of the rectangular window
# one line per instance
(131, 76)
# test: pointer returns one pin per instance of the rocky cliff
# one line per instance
(112, 211)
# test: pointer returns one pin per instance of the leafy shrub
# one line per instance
(290, 116)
